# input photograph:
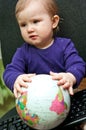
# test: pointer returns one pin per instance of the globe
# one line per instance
(43, 105)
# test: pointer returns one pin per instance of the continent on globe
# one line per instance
(33, 119)
(59, 105)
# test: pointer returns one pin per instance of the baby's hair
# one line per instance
(50, 5)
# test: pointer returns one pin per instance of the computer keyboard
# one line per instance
(77, 115)
(13, 123)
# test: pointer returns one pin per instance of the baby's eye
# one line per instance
(22, 24)
(35, 21)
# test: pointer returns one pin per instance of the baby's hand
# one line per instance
(21, 82)
(66, 80)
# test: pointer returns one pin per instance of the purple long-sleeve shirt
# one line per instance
(61, 56)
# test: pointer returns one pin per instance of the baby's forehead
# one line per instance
(33, 13)
(34, 7)
(48, 6)
(29, 2)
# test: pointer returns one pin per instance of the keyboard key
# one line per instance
(12, 127)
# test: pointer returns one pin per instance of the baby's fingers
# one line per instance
(17, 90)
(27, 77)
(71, 91)
(23, 84)
(31, 75)
(61, 82)
(69, 88)
(15, 93)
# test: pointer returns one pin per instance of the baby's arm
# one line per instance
(66, 80)
(21, 82)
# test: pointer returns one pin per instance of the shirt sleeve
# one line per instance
(74, 63)
(14, 69)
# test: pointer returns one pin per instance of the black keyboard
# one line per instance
(77, 115)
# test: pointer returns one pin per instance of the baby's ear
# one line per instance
(55, 21)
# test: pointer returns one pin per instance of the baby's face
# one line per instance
(36, 25)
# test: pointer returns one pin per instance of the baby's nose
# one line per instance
(30, 28)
